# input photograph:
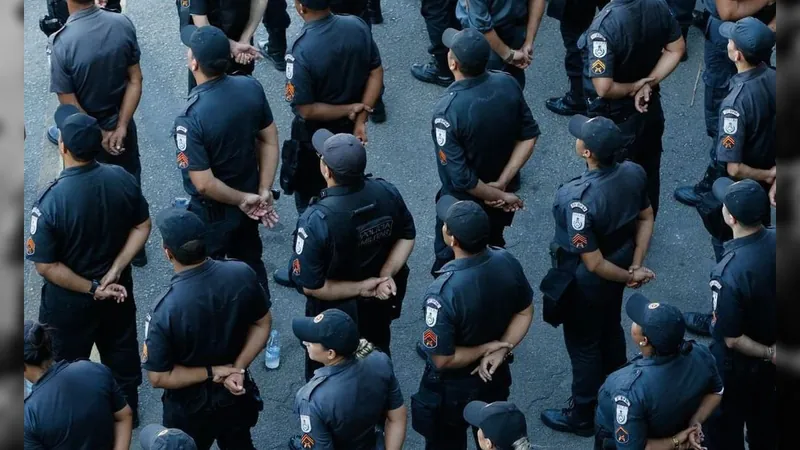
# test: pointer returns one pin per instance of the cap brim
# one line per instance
(63, 112)
(726, 29)
(473, 413)
(443, 205)
(636, 307)
(720, 188)
(449, 37)
(303, 328)
(319, 138)
(149, 434)
(186, 34)
(576, 125)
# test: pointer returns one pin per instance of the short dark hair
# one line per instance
(474, 248)
(84, 159)
(469, 71)
(345, 180)
(192, 252)
(215, 68)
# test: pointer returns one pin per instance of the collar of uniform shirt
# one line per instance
(319, 22)
(83, 13)
(467, 83)
(205, 265)
(733, 244)
(655, 360)
(466, 263)
(750, 74)
(341, 190)
(333, 370)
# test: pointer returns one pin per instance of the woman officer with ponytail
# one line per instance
(660, 399)
(73, 405)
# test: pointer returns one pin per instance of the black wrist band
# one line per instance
(210, 373)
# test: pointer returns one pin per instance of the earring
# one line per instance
(642, 343)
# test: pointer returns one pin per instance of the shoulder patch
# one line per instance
(305, 423)
(432, 307)
(289, 66)
(443, 104)
(441, 121)
(578, 205)
(622, 404)
(730, 111)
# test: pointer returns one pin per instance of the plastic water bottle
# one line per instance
(272, 357)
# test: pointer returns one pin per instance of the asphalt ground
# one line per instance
(401, 151)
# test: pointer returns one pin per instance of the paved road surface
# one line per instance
(400, 150)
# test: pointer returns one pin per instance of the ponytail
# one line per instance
(38, 346)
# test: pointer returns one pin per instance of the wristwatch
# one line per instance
(95, 285)
(770, 353)
(510, 57)
(210, 373)
(675, 442)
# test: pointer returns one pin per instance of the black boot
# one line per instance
(685, 33)
(275, 48)
(430, 73)
(281, 276)
(698, 323)
(375, 14)
(572, 102)
(575, 419)
(692, 195)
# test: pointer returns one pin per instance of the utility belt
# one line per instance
(299, 142)
(209, 397)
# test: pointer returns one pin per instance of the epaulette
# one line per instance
(627, 381)
(189, 102)
(305, 391)
(717, 271)
(577, 192)
(438, 284)
(158, 301)
(737, 89)
(45, 191)
(443, 104)
(302, 33)
(52, 38)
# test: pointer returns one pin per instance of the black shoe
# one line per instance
(575, 419)
(699, 20)
(566, 105)
(689, 195)
(275, 56)
(378, 114)
(698, 323)
(376, 17)
(52, 134)
(140, 260)
(281, 276)
(430, 73)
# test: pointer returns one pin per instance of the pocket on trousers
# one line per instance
(425, 411)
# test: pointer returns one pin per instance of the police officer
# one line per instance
(73, 404)
(747, 131)
(501, 425)
(352, 245)
(574, 18)
(469, 335)
(276, 21)
(682, 10)
(238, 20)
(510, 29)
(439, 15)
(333, 79)
(85, 229)
(717, 77)
(202, 335)
(604, 222)
(744, 301)
(629, 49)
(664, 394)
(483, 134)
(348, 397)
(156, 437)
(228, 161)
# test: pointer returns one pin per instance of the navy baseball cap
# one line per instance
(600, 134)
(745, 199)
(662, 324)
(501, 422)
(465, 219)
(179, 226)
(752, 36)
(317, 5)
(343, 152)
(332, 328)
(157, 437)
(469, 46)
(210, 46)
(80, 132)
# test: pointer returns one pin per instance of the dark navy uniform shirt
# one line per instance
(83, 220)
(747, 120)
(599, 209)
(203, 319)
(486, 15)
(330, 62)
(341, 405)
(654, 398)
(90, 56)
(217, 130)
(72, 408)
(476, 124)
(230, 16)
(473, 300)
(743, 293)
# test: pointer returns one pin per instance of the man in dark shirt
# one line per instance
(202, 335)
(86, 228)
(483, 133)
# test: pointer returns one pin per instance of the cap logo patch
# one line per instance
(166, 430)
(441, 136)
(599, 48)
(621, 435)
(598, 67)
(653, 305)
(307, 441)
(579, 241)
(730, 125)
(289, 92)
(319, 318)
(728, 142)
(296, 266)
(30, 246)
(183, 160)
(429, 339)
(578, 221)
(305, 424)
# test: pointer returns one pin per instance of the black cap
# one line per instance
(332, 328)
(745, 200)
(662, 324)
(343, 152)
(502, 422)
(600, 134)
(469, 46)
(465, 219)
(210, 46)
(81, 133)
(317, 5)
(179, 226)
(157, 437)
(750, 35)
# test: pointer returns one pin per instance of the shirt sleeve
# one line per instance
(191, 154)
(451, 156)
(407, 228)
(60, 79)
(525, 298)
(318, 436)
(30, 433)
(42, 244)
(395, 397)
(731, 141)
(299, 83)
(672, 24)
(134, 52)
(630, 423)
(310, 260)
(157, 354)
(260, 302)
(600, 62)
(728, 312)
(143, 208)
(116, 397)
(715, 384)
(579, 228)
(528, 129)
(374, 54)
(439, 336)
(478, 15)
(266, 119)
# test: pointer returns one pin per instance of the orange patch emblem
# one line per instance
(579, 241)
(598, 67)
(442, 157)
(307, 441)
(183, 160)
(728, 142)
(30, 246)
(289, 92)
(144, 353)
(622, 435)
(429, 339)
(296, 266)
(184, 3)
